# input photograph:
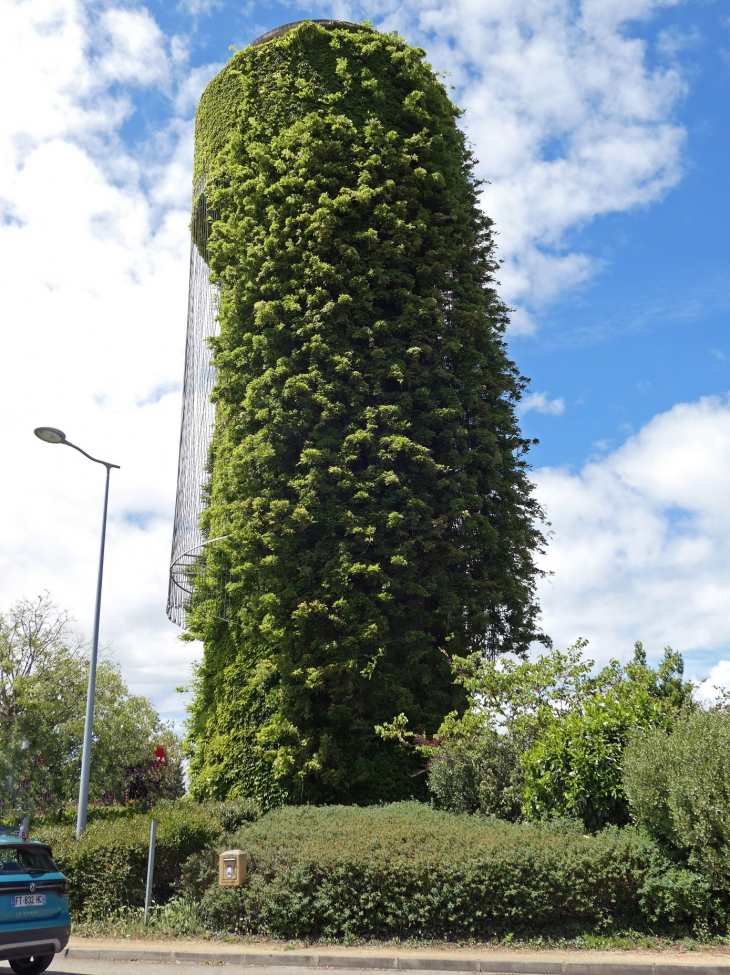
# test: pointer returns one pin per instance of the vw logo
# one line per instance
(32, 888)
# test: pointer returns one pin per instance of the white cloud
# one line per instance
(541, 403)
(189, 89)
(133, 46)
(718, 681)
(568, 119)
(204, 7)
(95, 249)
(641, 544)
(674, 41)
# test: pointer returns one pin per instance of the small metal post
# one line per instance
(150, 868)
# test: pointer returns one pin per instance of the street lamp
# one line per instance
(52, 435)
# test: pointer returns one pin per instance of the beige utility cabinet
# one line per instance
(232, 868)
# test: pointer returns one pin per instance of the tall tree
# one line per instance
(367, 468)
(44, 671)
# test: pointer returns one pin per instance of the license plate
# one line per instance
(28, 900)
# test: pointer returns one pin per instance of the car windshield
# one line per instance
(15, 859)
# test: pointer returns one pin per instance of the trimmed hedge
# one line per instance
(404, 870)
(107, 868)
(407, 870)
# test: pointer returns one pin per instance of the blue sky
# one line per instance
(602, 127)
(651, 328)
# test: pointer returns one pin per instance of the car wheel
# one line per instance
(31, 966)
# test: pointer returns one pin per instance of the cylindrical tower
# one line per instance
(353, 502)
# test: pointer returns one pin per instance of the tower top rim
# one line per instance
(271, 35)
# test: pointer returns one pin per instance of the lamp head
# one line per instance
(50, 434)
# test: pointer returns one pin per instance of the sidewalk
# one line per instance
(485, 959)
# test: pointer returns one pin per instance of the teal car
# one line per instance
(34, 918)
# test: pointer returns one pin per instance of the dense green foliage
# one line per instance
(404, 870)
(107, 868)
(368, 471)
(678, 784)
(407, 871)
(480, 774)
(575, 767)
(44, 672)
(547, 734)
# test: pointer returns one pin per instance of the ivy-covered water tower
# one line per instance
(353, 502)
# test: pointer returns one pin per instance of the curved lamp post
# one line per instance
(52, 435)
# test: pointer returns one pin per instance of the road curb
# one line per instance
(404, 963)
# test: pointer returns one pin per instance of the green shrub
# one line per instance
(575, 767)
(408, 870)
(678, 785)
(482, 774)
(107, 868)
(67, 815)
(392, 871)
(232, 814)
(201, 869)
(675, 897)
(569, 725)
